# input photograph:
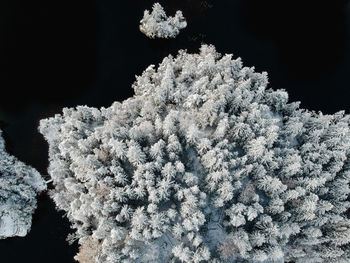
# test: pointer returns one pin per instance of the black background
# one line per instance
(56, 54)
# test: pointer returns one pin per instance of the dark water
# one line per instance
(56, 54)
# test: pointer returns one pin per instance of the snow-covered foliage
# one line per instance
(158, 24)
(19, 185)
(203, 164)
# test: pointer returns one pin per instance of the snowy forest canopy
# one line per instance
(19, 186)
(203, 164)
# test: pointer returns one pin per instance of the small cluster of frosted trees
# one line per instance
(158, 24)
(203, 164)
(19, 185)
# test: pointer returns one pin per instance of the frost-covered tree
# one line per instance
(158, 24)
(204, 164)
(19, 185)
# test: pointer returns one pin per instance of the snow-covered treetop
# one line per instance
(203, 164)
(158, 24)
(19, 185)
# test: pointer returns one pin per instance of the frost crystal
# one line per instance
(158, 24)
(19, 185)
(203, 164)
